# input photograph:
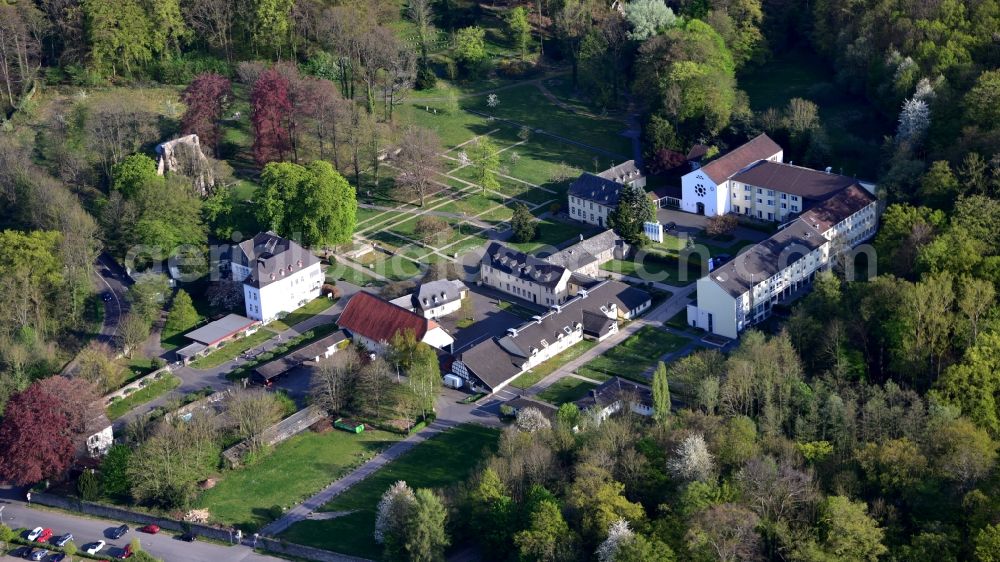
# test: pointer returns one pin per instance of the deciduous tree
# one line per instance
(271, 111)
(519, 29)
(485, 160)
(418, 162)
(647, 18)
(252, 411)
(661, 394)
(96, 363)
(206, 98)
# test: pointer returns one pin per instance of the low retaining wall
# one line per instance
(134, 385)
(214, 533)
(302, 551)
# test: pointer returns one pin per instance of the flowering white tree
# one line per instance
(618, 535)
(914, 120)
(925, 90)
(492, 100)
(647, 17)
(531, 420)
(692, 460)
(393, 509)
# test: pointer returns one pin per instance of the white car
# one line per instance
(35, 533)
(94, 547)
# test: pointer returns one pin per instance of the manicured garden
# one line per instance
(232, 350)
(631, 358)
(441, 461)
(255, 495)
(165, 383)
(566, 389)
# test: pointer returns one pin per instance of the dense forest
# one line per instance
(864, 426)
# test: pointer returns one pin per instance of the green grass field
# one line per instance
(232, 349)
(632, 357)
(301, 314)
(153, 390)
(547, 368)
(252, 496)
(438, 462)
(551, 234)
(655, 268)
(567, 389)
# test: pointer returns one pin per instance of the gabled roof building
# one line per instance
(527, 277)
(373, 322)
(278, 275)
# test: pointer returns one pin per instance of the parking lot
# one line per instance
(490, 320)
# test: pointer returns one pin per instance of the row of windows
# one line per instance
(768, 192)
(579, 201)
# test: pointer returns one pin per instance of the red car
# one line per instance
(46, 535)
(151, 529)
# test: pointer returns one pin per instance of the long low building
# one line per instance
(322, 348)
(592, 313)
(214, 334)
(742, 292)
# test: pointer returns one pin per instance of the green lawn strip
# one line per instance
(453, 127)
(307, 311)
(254, 495)
(443, 460)
(632, 357)
(678, 321)
(232, 350)
(538, 373)
(527, 105)
(654, 268)
(551, 233)
(566, 389)
(159, 386)
(338, 271)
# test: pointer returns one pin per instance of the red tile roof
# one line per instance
(757, 148)
(379, 320)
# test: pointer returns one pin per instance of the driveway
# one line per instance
(489, 320)
(215, 377)
(693, 225)
(88, 529)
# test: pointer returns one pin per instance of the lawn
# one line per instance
(232, 350)
(547, 368)
(551, 234)
(158, 387)
(339, 272)
(631, 358)
(301, 314)
(566, 389)
(656, 268)
(253, 496)
(443, 460)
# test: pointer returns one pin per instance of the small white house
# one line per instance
(435, 299)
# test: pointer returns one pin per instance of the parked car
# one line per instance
(21, 552)
(188, 537)
(119, 532)
(670, 226)
(39, 554)
(151, 529)
(58, 557)
(34, 534)
(106, 296)
(94, 547)
(46, 535)
(61, 541)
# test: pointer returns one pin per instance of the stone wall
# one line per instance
(214, 533)
(134, 385)
(284, 429)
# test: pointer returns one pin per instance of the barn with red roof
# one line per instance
(373, 321)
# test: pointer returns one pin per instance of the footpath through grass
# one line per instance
(232, 350)
(632, 357)
(252, 496)
(441, 461)
(153, 390)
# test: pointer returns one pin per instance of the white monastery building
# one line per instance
(278, 275)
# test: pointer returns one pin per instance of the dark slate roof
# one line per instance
(796, 180)
(673, 190)
(490, 363)
(214, 332)
(522, 265)
(299, 356)
(592, 187)
(380, 320)
(838, 207)
(521, 402)
(437, 293)
(622, 173)
(596, 324)
(757, 148)
(763, 260)
(613, 390)
(582, 253)
(625, 296)
(549, 328)
(270, 258)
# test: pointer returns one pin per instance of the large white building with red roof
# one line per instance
(373, 322)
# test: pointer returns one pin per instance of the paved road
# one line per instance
(196, 379)
(111, 278)
(87, 529)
